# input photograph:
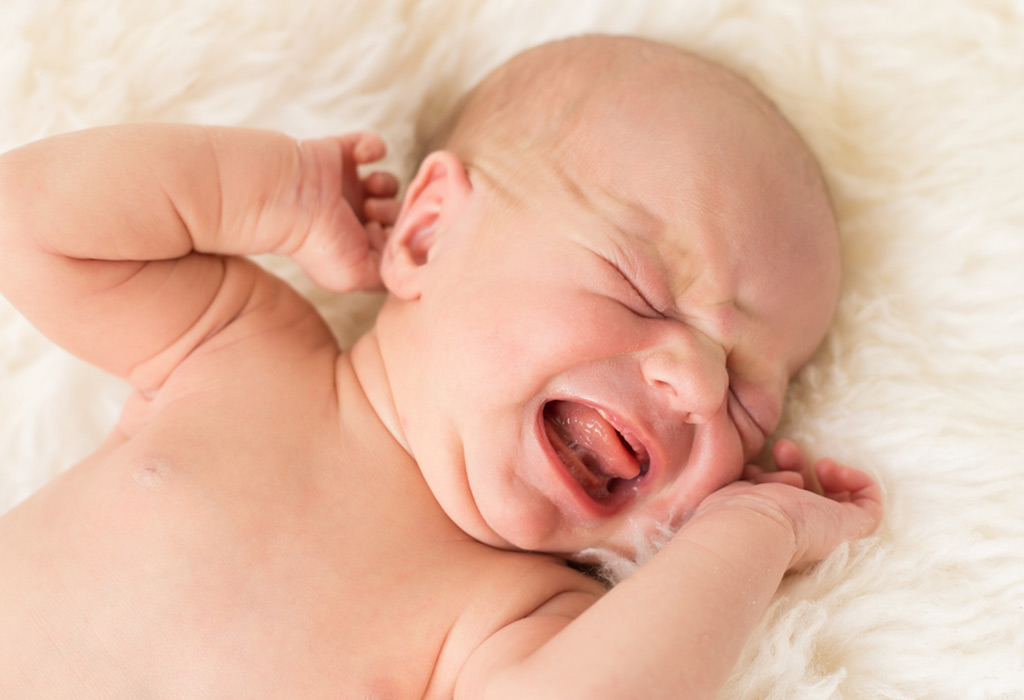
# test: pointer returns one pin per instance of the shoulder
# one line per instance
(533, 584)
(516, 596)
(256, 326)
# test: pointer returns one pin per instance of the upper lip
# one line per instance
(633, 434)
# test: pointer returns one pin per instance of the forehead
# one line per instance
(680, 179)
(716, 195)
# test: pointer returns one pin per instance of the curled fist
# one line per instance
(348, 215)
(822, 504)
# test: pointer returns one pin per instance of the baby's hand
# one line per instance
(824, 505)
(350, 215)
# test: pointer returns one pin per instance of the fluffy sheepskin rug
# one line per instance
(916, 109)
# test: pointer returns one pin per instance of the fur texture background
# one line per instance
(916, 109)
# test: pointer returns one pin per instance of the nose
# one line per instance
(691, 373)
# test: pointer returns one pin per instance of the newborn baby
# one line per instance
(599, 287)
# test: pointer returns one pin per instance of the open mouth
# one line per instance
(602, 460)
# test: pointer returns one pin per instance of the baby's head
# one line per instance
(600, 287)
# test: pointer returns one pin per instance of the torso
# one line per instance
(239, 536)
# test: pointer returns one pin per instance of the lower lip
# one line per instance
(585, 505)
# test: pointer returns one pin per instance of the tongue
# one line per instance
(589, 446)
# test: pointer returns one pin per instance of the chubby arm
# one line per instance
(118, 242)
(676, 627)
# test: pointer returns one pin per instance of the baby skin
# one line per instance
(596, 298)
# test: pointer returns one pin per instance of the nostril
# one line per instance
(689, 374)
(692, 385)
(662, 385)
(684, 399)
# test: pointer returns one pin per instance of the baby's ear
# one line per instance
(433, 199)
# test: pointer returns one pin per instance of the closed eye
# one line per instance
(646, 307)
(752, 435)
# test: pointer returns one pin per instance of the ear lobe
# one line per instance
(433, 198)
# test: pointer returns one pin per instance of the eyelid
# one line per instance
(751, 418)
(636, 290)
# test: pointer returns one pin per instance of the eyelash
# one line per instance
(650, 307)
(746, 412)
(636, 291)
(755, 426)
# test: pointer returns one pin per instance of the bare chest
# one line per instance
(158, 573)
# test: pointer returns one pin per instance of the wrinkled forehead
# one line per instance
(673, 134)
(700, 167)
(717, 188)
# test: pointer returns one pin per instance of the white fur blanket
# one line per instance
(916, 108)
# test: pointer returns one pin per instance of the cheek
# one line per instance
(517, 326)
(500, 330)
(716, 459)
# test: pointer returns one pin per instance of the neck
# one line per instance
(372, 438)
(366, 366)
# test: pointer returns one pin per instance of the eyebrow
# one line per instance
(636, 222)
(630, 217)
(651, 254)
(570, 185)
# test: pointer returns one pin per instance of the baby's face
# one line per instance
(610, 337)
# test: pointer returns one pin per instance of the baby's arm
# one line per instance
(115, 242)
(676, 627)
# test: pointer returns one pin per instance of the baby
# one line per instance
(598, 290)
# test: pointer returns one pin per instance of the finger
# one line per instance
(868, 504)
(367, 278)
(758, 475)
(788, 478)
(368, 147)
(380, 183)
(845, 484)
(376, 234)
(355, 273)
(838, 478)
(790, 457)
(384, 211)
(752, 472)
